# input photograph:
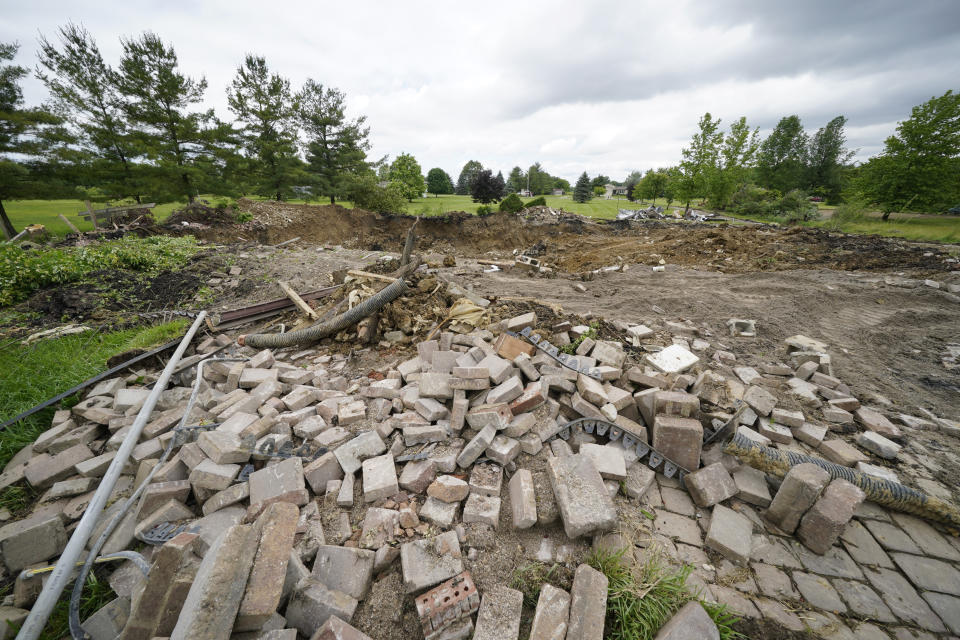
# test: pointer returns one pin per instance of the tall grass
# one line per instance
(31, 374)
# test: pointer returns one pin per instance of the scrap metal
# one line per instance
(570, 362)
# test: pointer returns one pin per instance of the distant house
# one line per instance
(613, 190)
(558, 192)
(524, 193)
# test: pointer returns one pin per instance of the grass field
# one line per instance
(908, 226)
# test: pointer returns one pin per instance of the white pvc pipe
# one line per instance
(33, 626)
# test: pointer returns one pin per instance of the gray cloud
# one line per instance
(602, 86)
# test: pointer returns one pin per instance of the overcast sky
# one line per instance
(604, 87)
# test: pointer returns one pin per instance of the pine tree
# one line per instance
(84, 93)
(336, 146)
(582, 191)
(158, 103)
(467, 176)
(264, 106)
(516, 181)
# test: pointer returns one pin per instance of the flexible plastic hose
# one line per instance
(338, 323)
(889, 494)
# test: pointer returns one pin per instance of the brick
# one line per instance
(229, 496)
(876, 443)
(280, 482)
(552, 614)
(275, 528)
(710, 485)
(760, 400)
(443, 514)
(677, 403)
(730, 535)
(421, 434)
(430, 409)
(300, 397)
(379, 478)
(436, 385)
(237, 423)
(169, 511)
(366, 445)
(584, 503)
(210, 475)
(481, 508)
(223, 447)
(498, 416)
(608, 460)
(673, 359)
(448, 489)
(498, 368)
(471, 373)
(521, 322)
(351, 412)
(505, 392)
(214, 598)
(691, 621)
(810, 434)
(752, 486)
(345, 569)
(788, 417)
(428, 562)
(775, 432)
(335, 629)
(312, 604)
(499, 615)
(470, 384)
(44, 470)
(798, 492)
(476, 446)
(417, 475)
(588, 604)
(523, 500)
(486, 479)
(251, 377)
(321, 471)
(33, 540)
(824, 522)
(679, 439)
(506, 346)
(503, 449)
(842, 453)
(159, 492)
(608, 353)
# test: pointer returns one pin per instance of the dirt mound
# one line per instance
(575, 244)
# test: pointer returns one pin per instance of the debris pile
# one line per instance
(287, 484)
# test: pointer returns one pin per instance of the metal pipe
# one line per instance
(76, 630)
(33, 625)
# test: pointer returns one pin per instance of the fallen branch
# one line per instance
(408, 245)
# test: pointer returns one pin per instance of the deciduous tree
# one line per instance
(782, 159)
(439, 181)
(920, 164)
(699, 160)
(516, 181)
(485, 187)
(405, 171)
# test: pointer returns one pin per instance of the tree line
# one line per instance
(135, 130)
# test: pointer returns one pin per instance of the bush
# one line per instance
(539, 201)
(484, 210)
(23, 272)
(365, 193)
(511, 204)
(795, 207)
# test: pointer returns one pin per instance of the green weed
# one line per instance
(643, 596)
(571, 348)
(23, 272)
(530, 578)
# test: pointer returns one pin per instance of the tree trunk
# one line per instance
(5, 223)
(333, 200)
(886, 216)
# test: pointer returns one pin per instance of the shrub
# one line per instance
(365, 193)
(511, 204)
(539, 201)
(23, 272)
(243, 216)
(795, 207)
(484, 210)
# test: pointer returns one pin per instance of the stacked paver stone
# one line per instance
(411, 464)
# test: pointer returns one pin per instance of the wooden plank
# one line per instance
(373, 276)
(93, 216)
(68, 223)
(297, 300)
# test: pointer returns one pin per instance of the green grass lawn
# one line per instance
(24, 212)
(596, 208)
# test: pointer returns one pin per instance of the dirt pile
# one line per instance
(575, 244)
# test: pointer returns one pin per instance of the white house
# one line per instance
(613, 190)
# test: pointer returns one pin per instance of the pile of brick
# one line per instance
(274, 544)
